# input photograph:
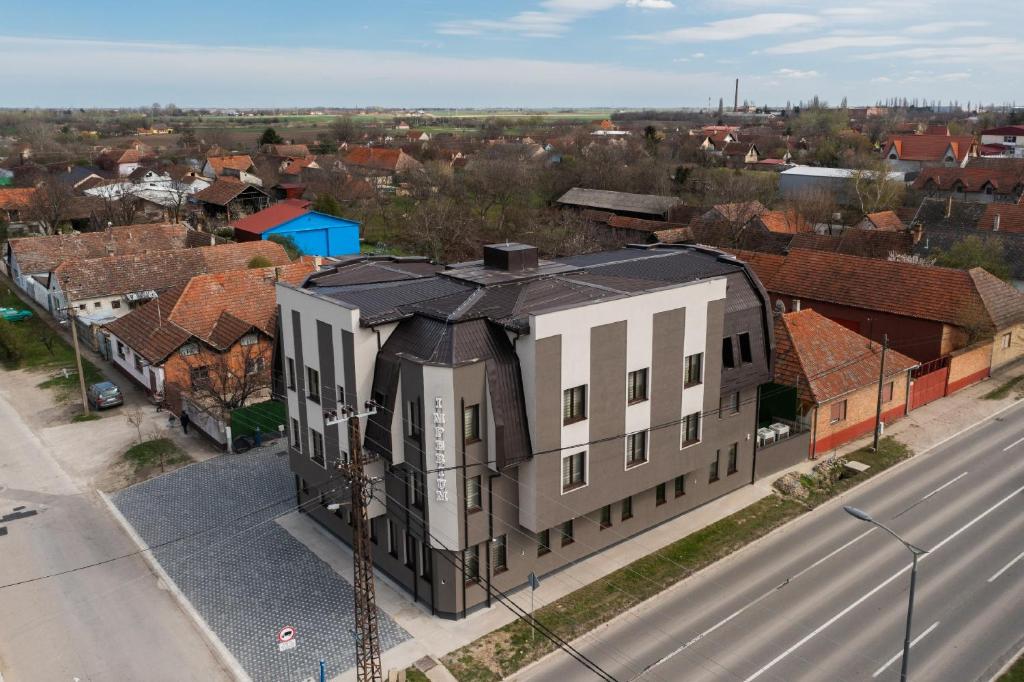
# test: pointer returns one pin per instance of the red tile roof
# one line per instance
(764, 265)
(15, 198)
(885, 220)
(784, 222)
(965, 298)
(825, 360)
(1004, 179)
(1004, 130)
(929, 147)
(1011, 217)
(215, 308)
(223, 191)
(269, 218)
(239, 162)
(296, 166)
(380, 158)
(292, 150)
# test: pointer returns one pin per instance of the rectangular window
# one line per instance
(120, 350)
(471, 423)
(606, 516)
(410, 551)
(636, 449)
(189, 349)
(296, 435)
(392, 545)
(249, 339)
(636, 386)
(373, 531)
(1006, 340)
(499, 553)
(472, 493)
(733, 464)
(291, 374)
(691, 429)
(713, 467)
(316, 440)
(415, 425)
(425, 561)
(313, 384)
(627, 508)
(340, 395)
(887, 391)
(729, 404)
(199, 376)
(693, 370)
(745, 352)
(727, 359)
(567, 533)
(471, 563)
(574, 404)
(418, 490)
(97, 304)
(254, 366)
(659, 494)
(115, 304)
(680, 485)
(138, 362)
(574, 473)
(543, 542)
(837, 412)
(81, 306)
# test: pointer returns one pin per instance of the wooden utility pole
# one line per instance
(368, 667)
(78, 358)
(881, 384)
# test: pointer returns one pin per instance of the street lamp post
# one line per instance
(915, 552)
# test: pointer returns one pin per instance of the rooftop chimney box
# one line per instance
(510, 257)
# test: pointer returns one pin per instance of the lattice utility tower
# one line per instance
(368, 668)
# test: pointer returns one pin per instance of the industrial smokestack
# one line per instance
(736, 97)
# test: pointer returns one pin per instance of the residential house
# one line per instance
(647, 206)
(228, 198)
(194, 330)
(233, 166)
(983, 184)
(930, 313)
(418, 136)
(380, 166)
(1002, 217)
(886, 221)
(740, 153)
(109, 287)
(934, 241)
(948, 213)
(120, 161)
(520, 404)
(314, 233)
(1003, 141)
(292, 151)
(15, 206)
(31, 260)
(717, 140)
(856, 242)
(914, 152)
(826, 381)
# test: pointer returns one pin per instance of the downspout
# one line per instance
(814, 431)
(490, 533)
(377, 332)
(757, 417)
(465, 511)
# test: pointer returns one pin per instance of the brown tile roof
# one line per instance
(929, 147)
(855, 242)
(764, 265)
(238, 162)
(43, 254)
(293, 150)
(641, 224)
(921, 291)
(1011, 217)
(120, 156)
(885, 220)
(825, 360)
(15, 198)
(737, 148)
(157, 270)
(380, 158)
(784, 222)
(223, 191)
(215, 308)
(737, 212)
(1004, 179)
(676, 235)
(296, 165)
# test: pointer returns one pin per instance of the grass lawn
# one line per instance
(92, 416)
(1003, 389)
(415, 675)
(890, 451)
(1014, 674)
(267, 416)
(151, 453)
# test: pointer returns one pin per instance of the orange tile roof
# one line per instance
(239, 162)
(886, 220)
(15, 198)
(784, 222)
(929, 147)
(380, 158)
(1004, 179)
(825, 360)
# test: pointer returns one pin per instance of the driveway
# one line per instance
(245, 575)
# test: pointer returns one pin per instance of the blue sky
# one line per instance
(534, 53)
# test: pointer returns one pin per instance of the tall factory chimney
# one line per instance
(736, 97)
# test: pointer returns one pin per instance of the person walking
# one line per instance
(185, 421)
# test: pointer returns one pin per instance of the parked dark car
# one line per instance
(104, 394)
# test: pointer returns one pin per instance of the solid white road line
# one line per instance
(900, 654)
(943, 486)
(881, 586)
(1007, 566)
(740, 610)
(1013, 444)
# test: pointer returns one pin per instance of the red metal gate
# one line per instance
(929, 382)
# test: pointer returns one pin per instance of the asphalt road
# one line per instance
(825, 598)
(111, 622)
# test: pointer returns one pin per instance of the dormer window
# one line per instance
(249, 339)
(191, 348)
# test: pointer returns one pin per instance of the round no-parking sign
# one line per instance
(286, 638)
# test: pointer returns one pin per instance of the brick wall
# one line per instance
(1014, 349)
(969, 366)
(860, 415)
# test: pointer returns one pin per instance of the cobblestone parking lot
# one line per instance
(247, 576)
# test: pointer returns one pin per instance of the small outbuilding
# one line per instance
(316, 234)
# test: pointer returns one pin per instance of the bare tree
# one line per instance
(875, 190)
(135, 417)
(224, 381)
(49, 205)
(817, 205)
(121, 204)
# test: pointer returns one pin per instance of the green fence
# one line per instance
(268, 417)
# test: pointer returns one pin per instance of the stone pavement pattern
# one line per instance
(248, 577)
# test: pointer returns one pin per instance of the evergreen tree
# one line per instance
(270, 136)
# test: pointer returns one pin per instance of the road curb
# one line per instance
(227, 659)
(521, 674)
(995, 678)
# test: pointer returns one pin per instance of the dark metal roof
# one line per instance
(649, 204)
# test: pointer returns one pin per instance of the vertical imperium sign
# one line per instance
(440, 461)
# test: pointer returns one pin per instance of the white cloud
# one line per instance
(552, 18)
(796, 73)
(943, 26)
(835, 42)
(698, 55)
(650, 4)
(992, 51)
(735, 29)
(62, 72)
(881, 79)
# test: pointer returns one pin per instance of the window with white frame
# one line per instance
(636, 448)
(574, 471)
(296, 435)
(574, 404)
